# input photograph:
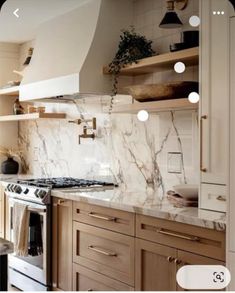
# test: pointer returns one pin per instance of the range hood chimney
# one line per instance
(70, 51)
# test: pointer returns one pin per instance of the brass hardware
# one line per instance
(181, 4)
(170, 258)
(61, 201)
(168, 233)
(221, 198)
(85, 134)
(102, 251)
(111, 219)
(177, 261)
(201, 147)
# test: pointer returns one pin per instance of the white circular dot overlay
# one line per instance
(193, 97)
(194, 21)
(214, 12)
(222, 12)
(143, 115)
(179, 67)
(218, 12)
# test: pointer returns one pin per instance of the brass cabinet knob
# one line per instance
(170, 258)
(177, 261)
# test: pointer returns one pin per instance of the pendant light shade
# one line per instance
(1, 3)
(170, 20)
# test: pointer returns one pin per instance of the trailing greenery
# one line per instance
(132, 47)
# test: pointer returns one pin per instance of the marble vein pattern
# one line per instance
(133, 152)
(146, 204)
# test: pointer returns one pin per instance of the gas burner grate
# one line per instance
(64, 182)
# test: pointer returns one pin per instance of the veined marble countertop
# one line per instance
(6, 247)
(143, 203)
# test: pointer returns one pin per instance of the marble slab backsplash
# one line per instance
(156, 154)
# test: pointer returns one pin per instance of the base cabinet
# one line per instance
(88, 280)
(92, 258)
(62, 245)
(155, 270)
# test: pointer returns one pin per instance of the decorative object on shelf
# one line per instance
(189, 39)
(29, 57)
(10, 166)
(86, 127)
(17, 108)
(163, 91)
(171, 19)
(32, 109)
(132, 47)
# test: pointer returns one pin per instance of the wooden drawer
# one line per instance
(87, 280)
(190, 238)
(106, 252)
(213, 197)
(111, 219)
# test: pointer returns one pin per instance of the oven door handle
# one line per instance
(31, 206)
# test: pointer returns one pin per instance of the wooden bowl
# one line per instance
(163, 91)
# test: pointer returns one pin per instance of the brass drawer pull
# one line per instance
(191, 238)
(102, 251)
(201, 144)
(221, 198)
(110, 219)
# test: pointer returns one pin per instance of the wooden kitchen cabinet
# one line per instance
(154, 267)
(62, 245)
(214, 103)
(88, 280)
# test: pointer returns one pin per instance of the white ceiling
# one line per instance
(32, 13)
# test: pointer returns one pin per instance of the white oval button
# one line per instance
(204, 277)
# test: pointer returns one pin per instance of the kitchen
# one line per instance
(117, 167)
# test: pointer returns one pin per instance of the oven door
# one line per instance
(34, 267)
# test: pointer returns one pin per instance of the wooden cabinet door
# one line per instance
(62, 245)
(187, 258)
(89, 280)
(155, 267)
(214, 102)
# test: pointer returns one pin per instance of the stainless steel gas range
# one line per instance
(33, 272)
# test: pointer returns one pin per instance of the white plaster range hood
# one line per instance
(70, 51)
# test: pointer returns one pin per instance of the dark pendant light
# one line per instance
(171, 19)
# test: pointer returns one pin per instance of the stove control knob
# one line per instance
(26, 191)
(36, 192)
(17, 189)
(42, 193)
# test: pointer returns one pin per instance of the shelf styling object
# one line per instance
(29, 57)
(162, 91)
(132, 47)
(17, 108)
(10, 166)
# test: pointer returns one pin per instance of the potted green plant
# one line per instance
(131, 48)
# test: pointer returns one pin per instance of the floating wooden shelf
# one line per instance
(160, 62)
(11, 91)
(32, 116)
(156, 106)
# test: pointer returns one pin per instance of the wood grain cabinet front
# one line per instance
(103, 251)
(202, 241)
(107, 218)
(62, 245)
(88, 280)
